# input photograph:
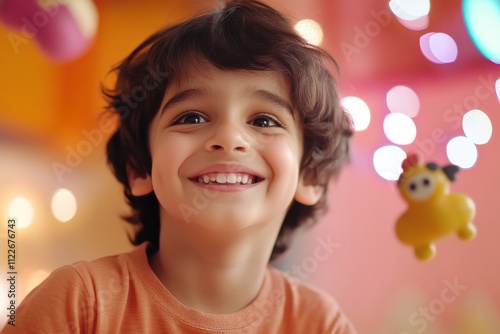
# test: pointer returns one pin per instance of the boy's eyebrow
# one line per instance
(183, 96)
(274, 99)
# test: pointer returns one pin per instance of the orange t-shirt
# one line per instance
(121, 294)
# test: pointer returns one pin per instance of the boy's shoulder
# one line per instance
(71, 298)
(105, 266)
(314, 306)
(301, 291)
(89, 282)
(108, 273)
(113, 264)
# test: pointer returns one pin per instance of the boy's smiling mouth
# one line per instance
(227, 178)
(229, 175)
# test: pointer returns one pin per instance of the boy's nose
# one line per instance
(228, 137)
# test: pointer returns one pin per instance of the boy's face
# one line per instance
(226, 148)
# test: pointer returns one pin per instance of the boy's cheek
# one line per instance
(285, 164)
(285, 151)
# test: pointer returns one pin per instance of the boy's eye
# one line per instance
(265, 121)
(190, 118)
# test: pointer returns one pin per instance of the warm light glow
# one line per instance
(85, 14)
(63, 205)
(462, 152)
(410, 9)
(419, 24)
(402, 99)
(400, 129)
(497, 88)
(439, 47)
(310, 30)
(4, 302)
(477, 126)
(22, 210)
(36, 278)
(482, 19)
(387, 161)
(443, 47)
(426, 49)
(359, 111)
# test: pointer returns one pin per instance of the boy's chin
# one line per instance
(228, 222)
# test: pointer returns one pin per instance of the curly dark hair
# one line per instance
(243, 34)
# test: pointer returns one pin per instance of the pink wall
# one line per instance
(377, 280)
(370, 269)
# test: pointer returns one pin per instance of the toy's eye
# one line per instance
(420, 186)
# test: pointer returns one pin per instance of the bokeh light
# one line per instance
(359, 111)
(419, 24)
(482, 18)
(497, 88)
(387, 162)
(402, 99)
(410, 9)
(4, 302)
(399, 128)
(477, 126)
(63, 205)
(462, 152)
(21, 209)
(439, 47)
(310, 30)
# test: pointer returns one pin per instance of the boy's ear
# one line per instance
(139, 185)
(308, 194)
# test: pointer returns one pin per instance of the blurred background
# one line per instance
(417, 76)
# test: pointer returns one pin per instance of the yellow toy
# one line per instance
(433, 212)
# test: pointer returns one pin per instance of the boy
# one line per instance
(230, 130)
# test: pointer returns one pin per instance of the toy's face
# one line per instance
(420, 186)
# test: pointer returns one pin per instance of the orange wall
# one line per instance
(54, 103)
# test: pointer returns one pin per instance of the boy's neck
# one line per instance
(213, 272)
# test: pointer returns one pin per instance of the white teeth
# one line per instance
(221, 178)
(229, 178)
